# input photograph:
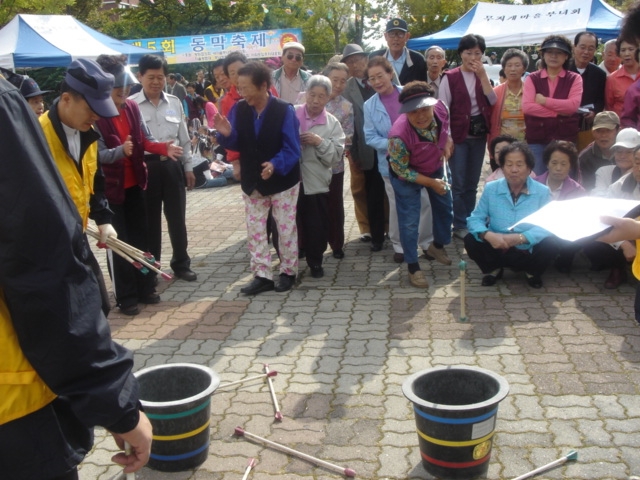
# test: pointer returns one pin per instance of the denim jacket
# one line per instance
(377, 125)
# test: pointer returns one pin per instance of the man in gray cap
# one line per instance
(409, 65)
(68, 127)
(290, 80)
(362, 158)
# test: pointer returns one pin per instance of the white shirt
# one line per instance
(165, 122)
(73, 139)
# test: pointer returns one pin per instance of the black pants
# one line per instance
(72, 475)
(490, 259)
(636, 304)
(313, 225)
(166, 188)
(336, 212)
(603, 256)
(130, 221)
(92, 263)
(375, 202)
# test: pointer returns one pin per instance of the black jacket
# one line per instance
(54, 303)
(593, 82)
(417, 70)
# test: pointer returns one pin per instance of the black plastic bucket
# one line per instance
(455, 410)
(177, 399)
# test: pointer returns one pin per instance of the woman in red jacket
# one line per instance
(123, 141)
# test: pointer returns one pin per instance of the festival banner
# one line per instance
(211, 47)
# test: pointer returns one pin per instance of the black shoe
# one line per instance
(563, 266)
(187, 275)
(339, 254)
(317, 272)
(284, 283)
(398, 257)
(534, 281)
(130, 310)
(376, 247)
(150, 299)
(491, 279)
(258, 285)
(365, 237)
(615, 278)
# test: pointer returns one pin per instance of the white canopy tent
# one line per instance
(516, 25)
(30, 41)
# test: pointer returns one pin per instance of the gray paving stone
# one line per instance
(344, 345)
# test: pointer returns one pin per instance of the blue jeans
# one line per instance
(220, 181)
(537, 149)
(466, 165)
(408, 207)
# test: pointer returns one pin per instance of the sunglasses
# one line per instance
(298, 57)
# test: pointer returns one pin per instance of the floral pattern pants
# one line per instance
(283, 209)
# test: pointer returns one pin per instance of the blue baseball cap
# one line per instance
(94, 84)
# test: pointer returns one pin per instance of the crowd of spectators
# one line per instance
(565, 130)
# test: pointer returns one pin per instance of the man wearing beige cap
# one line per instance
(598, 153)
(290, 80)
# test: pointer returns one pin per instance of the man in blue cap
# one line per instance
(68, 127)
(409, 65)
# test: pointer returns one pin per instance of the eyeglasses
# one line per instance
(291, 56)
(396, 33)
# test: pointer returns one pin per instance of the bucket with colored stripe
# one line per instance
(177, 399)
(455, 410)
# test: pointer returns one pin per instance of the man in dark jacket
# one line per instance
(61, 372)
(594, 78)
(409, 65)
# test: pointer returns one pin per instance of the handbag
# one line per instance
(478, 126)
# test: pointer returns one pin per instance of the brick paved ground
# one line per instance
(344, 344)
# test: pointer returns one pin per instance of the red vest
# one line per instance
(542, 130)
(460, 108)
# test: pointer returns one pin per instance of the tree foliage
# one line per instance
(11, 8)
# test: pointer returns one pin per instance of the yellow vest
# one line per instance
(22, 391)
(80, 186)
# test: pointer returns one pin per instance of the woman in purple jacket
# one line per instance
(561, 157)
(419, 141)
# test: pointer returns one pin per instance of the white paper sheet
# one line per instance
(578, 218)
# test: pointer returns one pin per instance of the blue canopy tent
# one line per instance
(516, 25)
(30, 41)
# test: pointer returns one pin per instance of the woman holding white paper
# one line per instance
(490, 242)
